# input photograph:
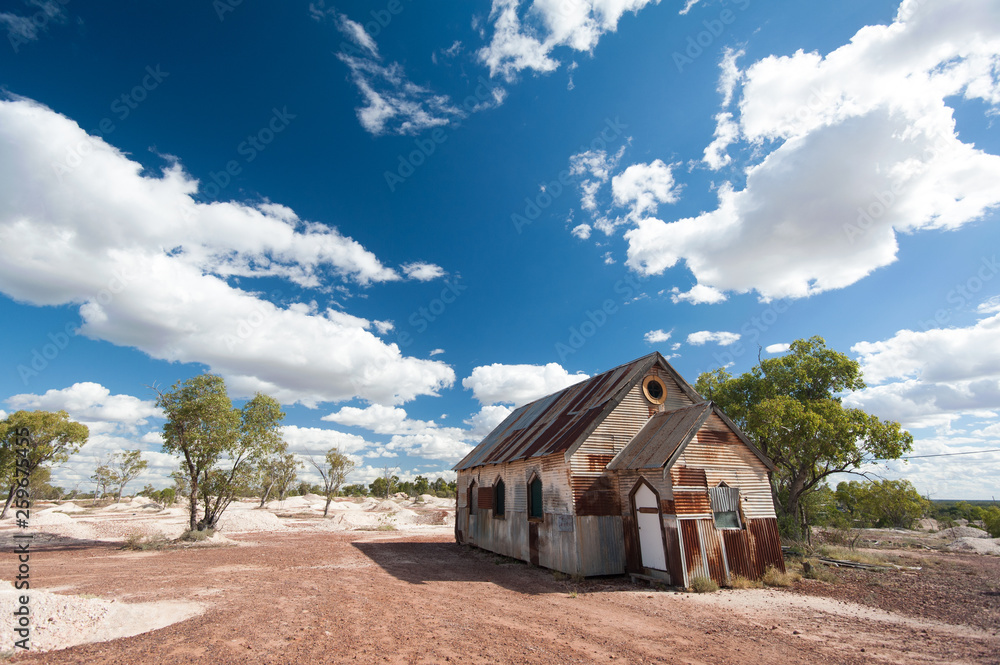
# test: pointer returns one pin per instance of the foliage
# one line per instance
(740, 582)
(385, 484)
(334, 471)
(885, 503)
(991, 520)
(354, 490)
(54, 437)
(220, 447)
(813, 570)
(197, 535)
(790, 407)
(125, 466)
(703, 585)
(277, 473)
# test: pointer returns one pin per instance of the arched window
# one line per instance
(499, 498)
(535, 499)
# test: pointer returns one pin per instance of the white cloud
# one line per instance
(730, 75)
(393, 104)
(657, 336)
(526, 40)
(487, 419)
(21, 29)
(699, 294)
(704, 337)
(422, 272)
(316, 441)
(436, 352)
(848, 161)
(379, 419)
(147, 266)
(593, 168)
(932, 378)
(642, 187)
(89, 402)
(777, 348)
(581, 231)
(726, 132)
(518, 384)
(989, 306)
(687, 7)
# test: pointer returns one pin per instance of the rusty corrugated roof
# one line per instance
(661, 437)
(554, 423)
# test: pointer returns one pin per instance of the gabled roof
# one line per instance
(557, 423)
(665, 435)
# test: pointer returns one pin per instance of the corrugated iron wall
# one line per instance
(555, 536)
(602, 545)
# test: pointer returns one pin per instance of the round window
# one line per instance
(654, 389)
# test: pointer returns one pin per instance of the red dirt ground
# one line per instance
(377, 597)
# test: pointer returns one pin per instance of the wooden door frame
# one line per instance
(659, 514)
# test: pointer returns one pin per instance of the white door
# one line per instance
(650, 531)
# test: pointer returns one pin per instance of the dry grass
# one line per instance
(845, 554)
(142, 542)
(774, 577)
(814, 570)
(740, 582)
(196, 536)
(703, 585)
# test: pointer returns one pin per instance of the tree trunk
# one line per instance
(267, 493)
(10, 500)
(194, 505)
(326, 508)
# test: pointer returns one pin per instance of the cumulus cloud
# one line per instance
(593, 168)
(643, 187)
(487, 419)
(89, 402)
(932, 378)
(777, 348)
(525, 39)
(423, 272)
(703, 337)
(147, 266)
(698, 294)
(518, 384)
(657, 336)
(847, 161)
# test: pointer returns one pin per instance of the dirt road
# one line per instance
(377, 597)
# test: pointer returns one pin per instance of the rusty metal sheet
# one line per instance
(485, 499)
(633, 553)
(740, 556)
(692, 503)
(692, 550)
(662, 435)
(712, 545)
(767, 542)
(685, 476)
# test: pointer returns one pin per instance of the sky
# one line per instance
(404, 219)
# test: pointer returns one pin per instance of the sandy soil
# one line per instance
(313, 593)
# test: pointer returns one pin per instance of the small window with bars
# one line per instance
(726, 506)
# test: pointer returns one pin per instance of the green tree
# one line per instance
(991, 520)
(421, 485)
(53, 438)
(277, 473)
(126, 466)
(103, 478)
(791, 408)
(334, 471)
(220, 447)
(885, 503)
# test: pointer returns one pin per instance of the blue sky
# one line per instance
(404, 219)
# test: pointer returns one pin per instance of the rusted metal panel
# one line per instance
(740, 556)
(694, 561)
(674, 565)
(767, 542)
(633, 553)
(724, 499)
(668, 506)
(712, 547)
(533, 545)
(691, 503)
(660, 438)
(485, 500)
(596, 496)
(685, 476)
